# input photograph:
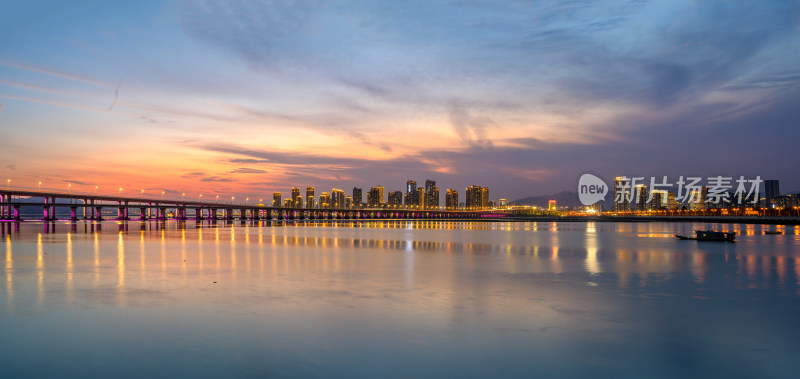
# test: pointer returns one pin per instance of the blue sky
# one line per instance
(250, 97)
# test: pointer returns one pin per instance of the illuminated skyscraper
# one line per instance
(310, 197)
(503, 203)
(451, 200)
(324, 200)
(288, 203)
(374, 198)
(640, 197)
(295, 196)
(337, 198)
(431, 195)
(381, 195)
(771, 191)
(420, 197)
(358, 198)
(276, 200)
(411, 194)
(697, 199)
(348, 202)
(672, 204)
(552, 206)
(660, 200)
(477, 197)
(622, 194)
(395, 199)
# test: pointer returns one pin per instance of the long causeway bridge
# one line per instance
(91, 207)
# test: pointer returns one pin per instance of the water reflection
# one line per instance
(539, 287)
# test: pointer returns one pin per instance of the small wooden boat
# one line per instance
(708, 235)
(773, 232)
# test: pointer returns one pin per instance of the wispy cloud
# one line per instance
(51, 72)
(247, 170)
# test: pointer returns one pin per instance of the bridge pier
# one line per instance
(73, 213)
(143, 214)
(162, 213)
(98, 212)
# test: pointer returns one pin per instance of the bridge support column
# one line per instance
(143, 214)
(162, 213)
(3, 207)
(98, 213)
(73, 213)
(16, 215)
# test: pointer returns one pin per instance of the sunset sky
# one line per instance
(248, 97)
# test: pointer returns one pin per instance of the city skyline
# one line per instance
(187, 97)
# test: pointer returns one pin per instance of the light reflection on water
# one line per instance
(398, 298)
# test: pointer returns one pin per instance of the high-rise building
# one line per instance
(697, 198)
(430, 191)
(337, 198)
(477, 197)
(288, 203)
(492, 204)
(552, 206)
(451, 200)
(771, 191)
(660, 200)
(295, 197)
(381, 195)
(358, 198)
(672, 203)
(622, 188)
(324, 200)
(374, 198)
(348, 202)
(310, 197)
(276, 200)
(432, 198)
(411, 194)
(640, 197)
(420, 198)
(299, 203)
(395, 199)
(503, 203)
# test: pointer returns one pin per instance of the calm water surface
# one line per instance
(397, 299)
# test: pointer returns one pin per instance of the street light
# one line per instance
(232, 198)
(162, 194)
(246, 200)
(40, 186)
(95, 190)
(120, 191)
(183, 195)
(8, 184)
